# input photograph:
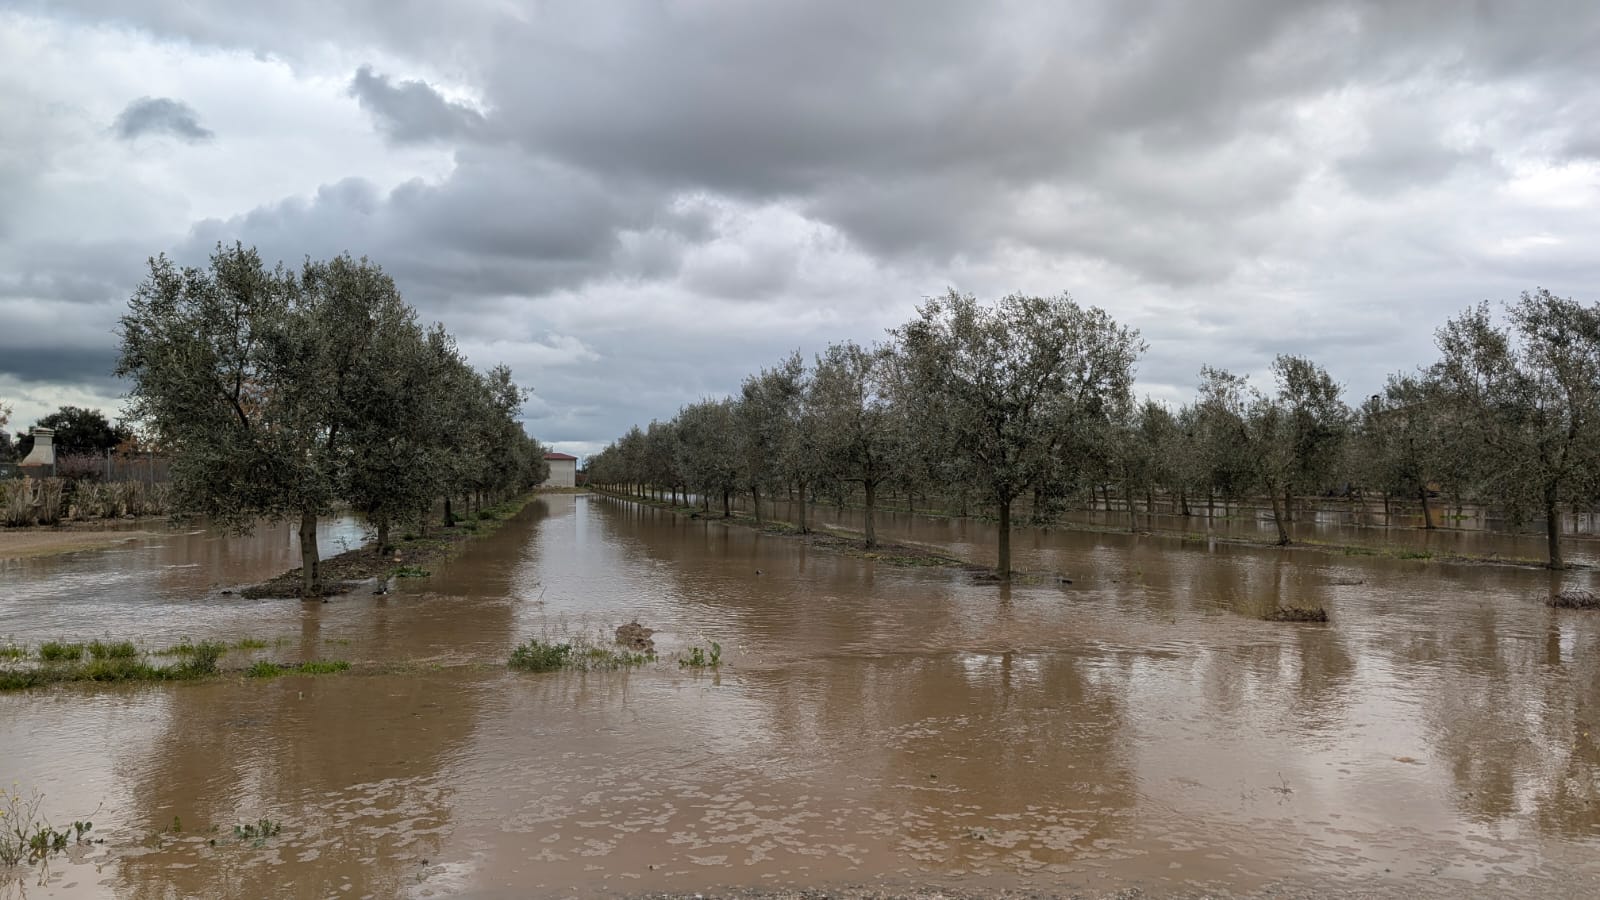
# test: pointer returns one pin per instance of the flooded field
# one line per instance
(871, 725)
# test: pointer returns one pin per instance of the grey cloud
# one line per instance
(412, 111)
(160, 115)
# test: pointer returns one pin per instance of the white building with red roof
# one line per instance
(563, 470)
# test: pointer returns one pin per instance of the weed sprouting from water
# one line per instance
(700, 659)
(581, 654)
(10, 650)
(411, 572)
(55, 651)
(113, 650)
(26, 836)
(257, 831)
(249, 644)
(268, 669)
(538, 656)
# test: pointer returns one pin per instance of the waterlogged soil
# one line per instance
(874, 730)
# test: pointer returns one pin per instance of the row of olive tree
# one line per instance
(1032, 397)
(1508, 417)
(282, 394)
(1003, 400)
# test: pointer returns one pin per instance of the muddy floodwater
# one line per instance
(871, 725)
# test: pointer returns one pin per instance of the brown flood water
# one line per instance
(872, 725)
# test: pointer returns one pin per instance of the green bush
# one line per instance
(54, 651)
(537, 656)
(114, 650)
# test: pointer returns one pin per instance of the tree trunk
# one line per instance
(1005, 540)
(310, 583)
(383, 535)
(449, 517)
(872, 503)
(911, 502)
(755, 502)
(1552, 527)
(1288, 504)
(422, 521)
(1277, 517)
(1427, 514)
(1127, 497)
(803, 528)
(1183, 502)
(1386, 512)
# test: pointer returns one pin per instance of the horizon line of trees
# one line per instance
(1032, 398)
(280, 394)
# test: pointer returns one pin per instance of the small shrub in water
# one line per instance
(700, 659)
(113, 650)
(537, 656)
(200, 661)
(411, 572)
(258, 830)
(54, 651)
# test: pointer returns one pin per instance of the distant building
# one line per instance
(563, 470)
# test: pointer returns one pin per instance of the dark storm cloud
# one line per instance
(70, 364)
(412, 111)
(160, 115)
(696, 188)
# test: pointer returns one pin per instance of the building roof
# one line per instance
(560, 456)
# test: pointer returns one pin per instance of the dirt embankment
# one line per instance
(20, 543)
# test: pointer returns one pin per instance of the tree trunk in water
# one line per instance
(1183, 503)
(449, 517)
(383, 535)
(422, 521)
(1386, 509)
(310, 582)
(1288, 504)
(803, 528)
(1133, 516)
(1277, 518)
(911, 502)
(1552, 527)
(1427, 514)
(726, 512)
(1005, 540)
(872, 502)
(755, 502)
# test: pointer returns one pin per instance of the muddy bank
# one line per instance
(22, 543)
(413, 556)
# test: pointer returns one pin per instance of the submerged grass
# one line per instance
(1574, 599)
(113, 649)
(268, 669)
(111, 664)
(1297, 614)
(55, 651)
(581, 654)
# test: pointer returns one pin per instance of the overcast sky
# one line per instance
(636, 204)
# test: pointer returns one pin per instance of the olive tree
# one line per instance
(859, 429)
(1015, 381)
(1525, 396)
(252, 377)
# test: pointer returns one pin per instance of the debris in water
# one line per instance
(1575, 598)
(636, 637)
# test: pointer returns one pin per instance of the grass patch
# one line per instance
(1297, 614)
(8, 650)
(55, 651)
(699, 658)
(580, 654)
(268, 669)
(1574, 599)
(114, 665)
(113, 650)
(411, 572)
(249, 644)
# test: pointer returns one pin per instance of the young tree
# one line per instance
(1527, 397)
(1317, 425)
(1016, 381)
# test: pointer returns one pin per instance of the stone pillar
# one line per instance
(41, 460)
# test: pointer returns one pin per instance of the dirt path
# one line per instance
(22, 543)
